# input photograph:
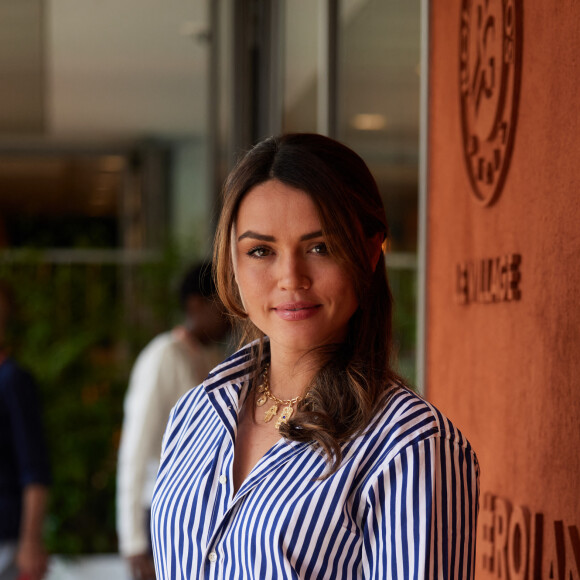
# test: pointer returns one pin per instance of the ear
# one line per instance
(375, 248)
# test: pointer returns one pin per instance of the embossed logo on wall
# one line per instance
(516, 544)
(489, 76)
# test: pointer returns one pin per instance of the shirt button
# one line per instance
(212, 557)
(223, 479)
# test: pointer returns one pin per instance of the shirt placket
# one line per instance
(272, 462)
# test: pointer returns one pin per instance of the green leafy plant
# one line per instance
(79, 328)
(404, 288)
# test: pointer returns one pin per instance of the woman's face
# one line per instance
(291, 288)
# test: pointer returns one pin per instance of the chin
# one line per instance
(304, 343)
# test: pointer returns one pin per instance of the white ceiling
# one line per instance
(126, 68)
(135, 68)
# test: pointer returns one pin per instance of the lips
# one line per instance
(295, 311)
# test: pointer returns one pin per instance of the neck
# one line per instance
(290, 374)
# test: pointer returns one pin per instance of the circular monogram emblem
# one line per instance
(489, 76)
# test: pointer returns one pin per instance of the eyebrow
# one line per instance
(264, 238)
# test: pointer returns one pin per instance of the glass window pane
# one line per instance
(301, 33)
(378, 116)
(49, 201)
(378, 101)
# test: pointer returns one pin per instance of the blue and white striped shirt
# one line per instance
(402, 505)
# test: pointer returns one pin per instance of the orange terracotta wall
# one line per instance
(507, 371)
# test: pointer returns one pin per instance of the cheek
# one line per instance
(236, 280)
(349, 298)
(254, 288)
(240, 293)
(249, 285)
(341, 284)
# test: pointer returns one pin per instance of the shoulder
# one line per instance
(157, 346)
(406, 420)
(238, 367)
(160, 352)
(12, 376)
(19, 392)
(410, 440)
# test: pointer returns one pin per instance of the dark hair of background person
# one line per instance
(198, 280)
(348, 389)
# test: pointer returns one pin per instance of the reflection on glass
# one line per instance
(378, 101)
(60, 201)
(378, 116)
(301, 34)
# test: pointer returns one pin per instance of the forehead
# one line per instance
(276, 203)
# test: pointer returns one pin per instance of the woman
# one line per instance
(303, 455)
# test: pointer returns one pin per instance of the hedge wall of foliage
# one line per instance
(78, 329)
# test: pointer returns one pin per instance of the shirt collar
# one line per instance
(238, 367)
(226, 384)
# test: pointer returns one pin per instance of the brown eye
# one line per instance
(320, 249)
(259, 252)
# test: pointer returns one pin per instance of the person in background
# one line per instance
(24, 463)
(170, 365)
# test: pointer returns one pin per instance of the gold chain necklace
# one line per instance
(264, 394)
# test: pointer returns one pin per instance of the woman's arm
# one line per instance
(423, 513)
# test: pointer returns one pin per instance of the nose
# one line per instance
(293, 274)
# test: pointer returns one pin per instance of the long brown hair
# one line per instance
(350, 385)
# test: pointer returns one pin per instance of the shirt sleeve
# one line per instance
(25, 418)
(146, 410)
(422, 513)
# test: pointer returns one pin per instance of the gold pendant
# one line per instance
(271, 413)
(261, 400)
(286, 414)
